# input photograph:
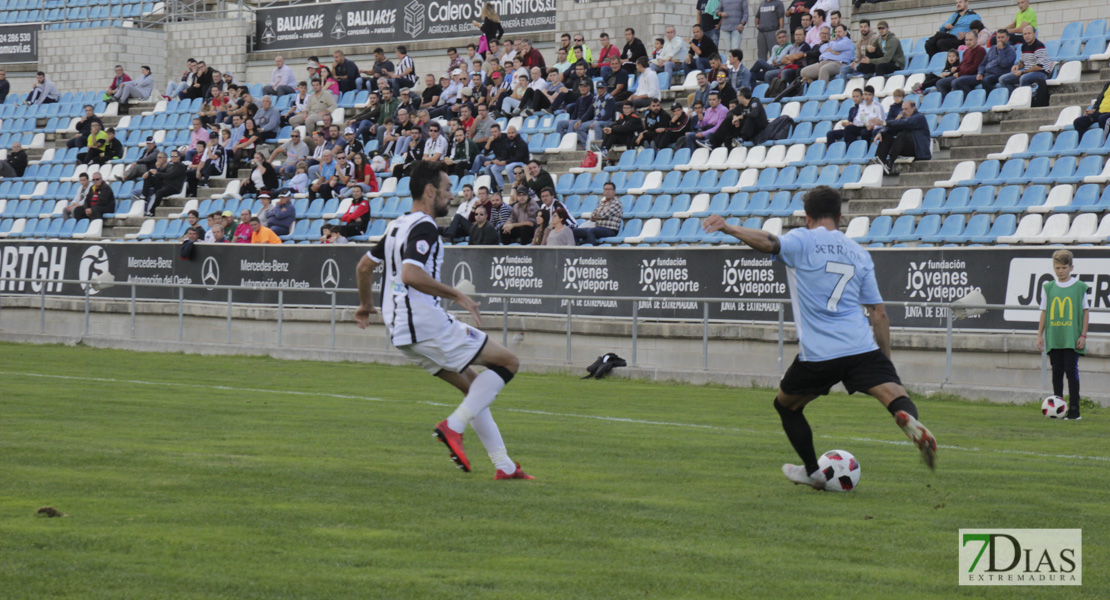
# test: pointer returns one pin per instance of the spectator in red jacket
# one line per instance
(357, 217)
(969, 64)
(607, 51)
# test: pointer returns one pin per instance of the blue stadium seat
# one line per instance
(597, 183)
(1096, 31)
(778, 204)
(581, 184)
(988, 169)
(977, 226)
(1009, 173)
(1089, 144)
(949, 122)
(1063, 168)
(814, 153)
(900, 228)
(660, 208)
(680, 157)
(667, 231)
(642, 207)
(766, 180)
(688, 229)
(1003, 225)
(958, 198)
(737, 204)
(626, 162)
(1065, 144)
(660, 162)
(1086, 199)
(802, 133)
(642, 161)
(833, 154)
(808, 112)
(880, 227)
(1034, 195)
(627, 181)
(951, 229)
(981, 200)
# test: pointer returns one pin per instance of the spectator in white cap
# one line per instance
(283, 213)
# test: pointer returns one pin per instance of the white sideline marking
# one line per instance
(535, 412)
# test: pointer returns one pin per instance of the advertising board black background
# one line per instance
(666, 279)
(390, 22)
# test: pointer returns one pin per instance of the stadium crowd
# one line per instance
(612, 97)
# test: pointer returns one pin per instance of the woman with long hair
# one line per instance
(490, 27)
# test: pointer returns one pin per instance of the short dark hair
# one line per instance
(737, 53)
(379, 50)
(835, 12)
(145, 67)
(630, 30)
(453, 49)
(745, 91)
(88, 106)
(83, 176)
(660, 40)
(823, 202)
(402, 49)
(424, 173)
(111, 130)
(862, 21)
(869, 89)
(253, 219)
(549, 190)
(610, 183)
(40, 73)
(643, 61)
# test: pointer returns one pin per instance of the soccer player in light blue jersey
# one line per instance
(831, 280)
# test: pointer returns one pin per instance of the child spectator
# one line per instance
(299, 181)
(1063, 327)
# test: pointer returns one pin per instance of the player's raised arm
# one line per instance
(756, 238)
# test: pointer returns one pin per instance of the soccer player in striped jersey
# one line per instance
(425, 332)
(831, 280)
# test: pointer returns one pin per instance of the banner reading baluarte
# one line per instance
(390, 22)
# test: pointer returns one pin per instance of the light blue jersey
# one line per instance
(830, 276)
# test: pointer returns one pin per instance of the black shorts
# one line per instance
(859, 373)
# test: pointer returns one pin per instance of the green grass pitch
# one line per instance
(243, 477)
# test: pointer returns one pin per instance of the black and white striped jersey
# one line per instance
(411, 316)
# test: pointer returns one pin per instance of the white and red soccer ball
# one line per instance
(841, 470)
(1054, 407)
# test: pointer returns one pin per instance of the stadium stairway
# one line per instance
(997, 129)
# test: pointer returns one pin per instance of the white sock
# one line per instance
(483, 391)
(490, 435)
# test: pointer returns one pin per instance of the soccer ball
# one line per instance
(841, 470)
(1054, 407)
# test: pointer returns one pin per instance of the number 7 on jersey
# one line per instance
(846, 272)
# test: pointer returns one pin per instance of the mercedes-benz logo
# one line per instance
(210, 272)
(329, 274)
(462, 272)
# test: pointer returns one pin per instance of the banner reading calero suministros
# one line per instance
(390, 22)
(666, 279)
(19, 43)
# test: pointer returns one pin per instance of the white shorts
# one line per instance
(454, 349)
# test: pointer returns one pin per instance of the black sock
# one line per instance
(800, 435)
(903, 403)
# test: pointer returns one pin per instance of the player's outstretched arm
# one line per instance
(880, 325)
(419, 279)
(365, 276)
(756, 238)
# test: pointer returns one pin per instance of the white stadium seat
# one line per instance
(911, 199)
(872, 177)
(1101, 177)
(1055, 226)
(1070, 72)
(1028, 226)
(1058, 196)
(964, 171)
(698, 157)
(1101, 235)
(1021, 98)
(1064, 119)
(653, 180)
(1082, 227)
(717, 160)
(857, 227)
(1019, 142)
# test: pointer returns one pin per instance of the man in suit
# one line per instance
(165, 179)
(908, 135)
